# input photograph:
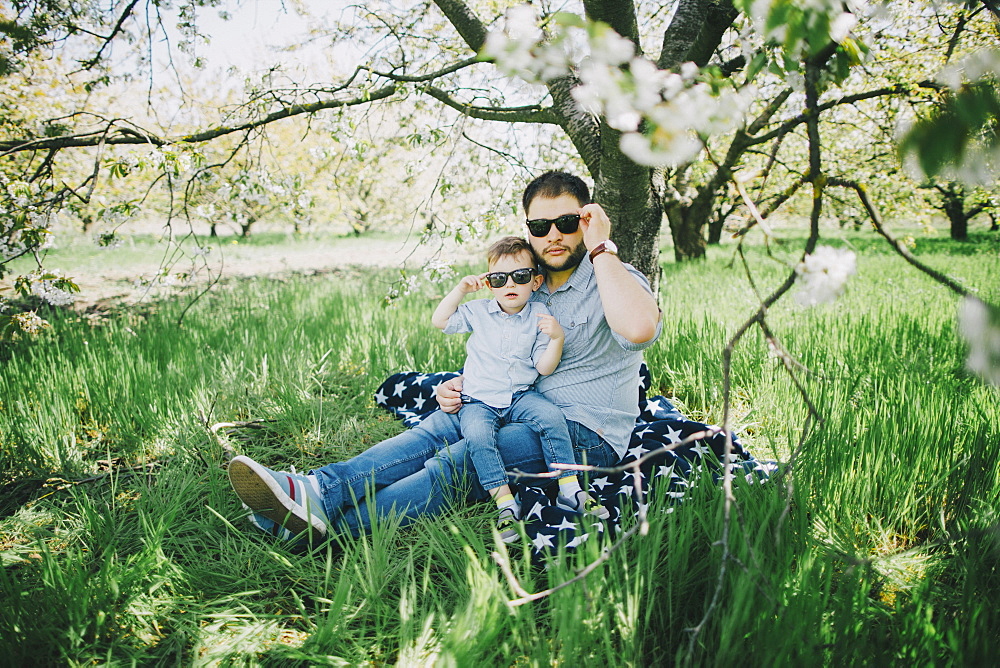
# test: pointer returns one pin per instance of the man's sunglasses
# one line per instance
(567, 224)
(498, 279)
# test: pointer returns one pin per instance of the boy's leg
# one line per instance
(480, 424)
(548, 421)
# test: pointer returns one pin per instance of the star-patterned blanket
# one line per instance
(410, 397)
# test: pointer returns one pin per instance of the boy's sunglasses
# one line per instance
(498, 279)
(567, 224)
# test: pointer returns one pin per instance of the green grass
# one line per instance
(122, 542)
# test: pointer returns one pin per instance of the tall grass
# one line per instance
(121, 541)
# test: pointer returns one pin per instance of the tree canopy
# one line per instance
(679, 111)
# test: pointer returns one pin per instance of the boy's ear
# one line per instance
(536, 282)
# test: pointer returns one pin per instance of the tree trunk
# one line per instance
(954, 209)
(715, 230)
(624, 190)
(685, 228)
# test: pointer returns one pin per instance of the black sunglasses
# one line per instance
(567, 224)
(498, 279)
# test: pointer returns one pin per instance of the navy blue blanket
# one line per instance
(410, 397)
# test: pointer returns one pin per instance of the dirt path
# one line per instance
(127, 278)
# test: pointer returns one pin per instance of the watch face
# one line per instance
(610, 246)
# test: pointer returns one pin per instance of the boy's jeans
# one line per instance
(422, 470)
(481, 423)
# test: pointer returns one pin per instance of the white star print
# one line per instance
(541, 540)
(600, 483)
(418, 403)
(701, 449)
(638, 451)
(672, 435)
(379, 397)
(536, 511)
(578, 540)
(398, 392)
(653, 405)
(419, 379)
(566, 524)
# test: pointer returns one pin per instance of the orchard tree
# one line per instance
(665, 105)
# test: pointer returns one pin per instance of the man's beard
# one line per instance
(571, 261)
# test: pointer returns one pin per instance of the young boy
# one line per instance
(512, 342)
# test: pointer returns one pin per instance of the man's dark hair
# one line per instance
(507, 246)
(553, 184)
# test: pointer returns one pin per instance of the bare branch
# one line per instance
(898, 246)
(107, 39)
(528, 114)
(402, 78)
(128, 136)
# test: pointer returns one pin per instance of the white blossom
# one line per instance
(609, 48)
(47, 290)
(840, 27)
(979, 323)
(29, 322)
(659, 149)
(823, 274)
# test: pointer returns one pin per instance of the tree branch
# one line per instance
(402, 78)
(128, 136)
(681, 34)
(87, 64)
(898, 246)
(465, 21)
(528, 114)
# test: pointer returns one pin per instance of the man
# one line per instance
(609, 315)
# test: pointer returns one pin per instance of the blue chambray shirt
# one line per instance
(597, 380)
(502, 350)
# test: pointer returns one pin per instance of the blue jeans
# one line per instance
(481, 422)
(423, 470)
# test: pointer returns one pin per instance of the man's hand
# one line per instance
(595, 224)
(449, 395)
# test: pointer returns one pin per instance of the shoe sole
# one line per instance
(262, 493)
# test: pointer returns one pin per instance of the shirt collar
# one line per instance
(493, 306)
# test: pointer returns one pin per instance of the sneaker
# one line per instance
(507, 526)
(270, 527)
(584, 503)
(289, 499)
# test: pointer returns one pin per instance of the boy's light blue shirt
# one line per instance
(597, 380)
(502, 351)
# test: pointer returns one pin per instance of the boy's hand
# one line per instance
(472, 283)
(549, 325)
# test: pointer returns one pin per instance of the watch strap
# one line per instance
(603, 247)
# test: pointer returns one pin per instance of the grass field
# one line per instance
(122, 542)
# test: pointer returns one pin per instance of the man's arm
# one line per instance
(630, 311)
(453, 299)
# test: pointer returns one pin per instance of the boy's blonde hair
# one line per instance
(509, 246)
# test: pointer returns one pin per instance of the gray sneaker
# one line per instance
(289, 499)
(507, 526)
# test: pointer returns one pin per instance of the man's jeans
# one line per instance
(422, 470)
(481, 423)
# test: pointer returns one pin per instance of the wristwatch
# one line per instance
(608, 246)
